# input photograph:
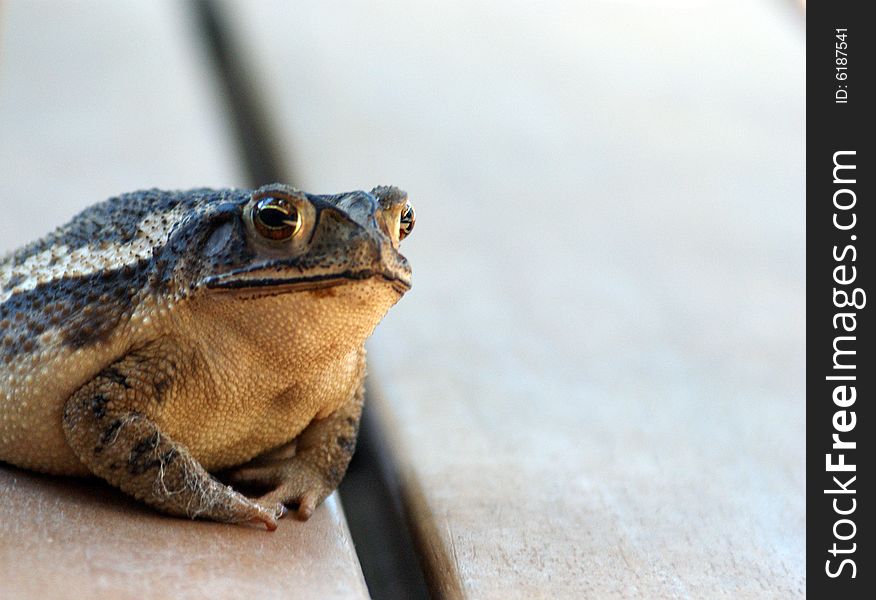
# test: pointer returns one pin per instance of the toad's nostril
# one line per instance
(360, 207)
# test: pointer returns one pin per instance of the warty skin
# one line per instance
(160, 336)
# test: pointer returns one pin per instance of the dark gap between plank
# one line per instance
(374, 515)
(383, 542)
(256, 142)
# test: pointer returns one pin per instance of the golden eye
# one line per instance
(406, 223)
(276, 219)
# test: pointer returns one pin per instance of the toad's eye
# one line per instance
(406, 223)
(276, 219)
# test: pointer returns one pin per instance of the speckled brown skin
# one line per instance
(160, 336)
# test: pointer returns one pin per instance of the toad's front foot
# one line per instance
(291, 481)
(268, 513)
(308, 469)
(128, 449)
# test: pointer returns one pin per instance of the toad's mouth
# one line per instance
(274, 285)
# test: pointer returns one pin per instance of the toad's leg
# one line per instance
(323, 452)
(125, 447)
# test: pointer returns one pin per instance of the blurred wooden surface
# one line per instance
(595, 387)
(98, 98)
(76, 539)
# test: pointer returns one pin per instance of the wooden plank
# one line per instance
(64, 535)
(97, 98)
(595, 387)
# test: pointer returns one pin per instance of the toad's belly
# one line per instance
(235, 423)
(222, 432)
(223, 417)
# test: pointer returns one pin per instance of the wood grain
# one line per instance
(64, 538)
(595, 387)
(98, 98)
